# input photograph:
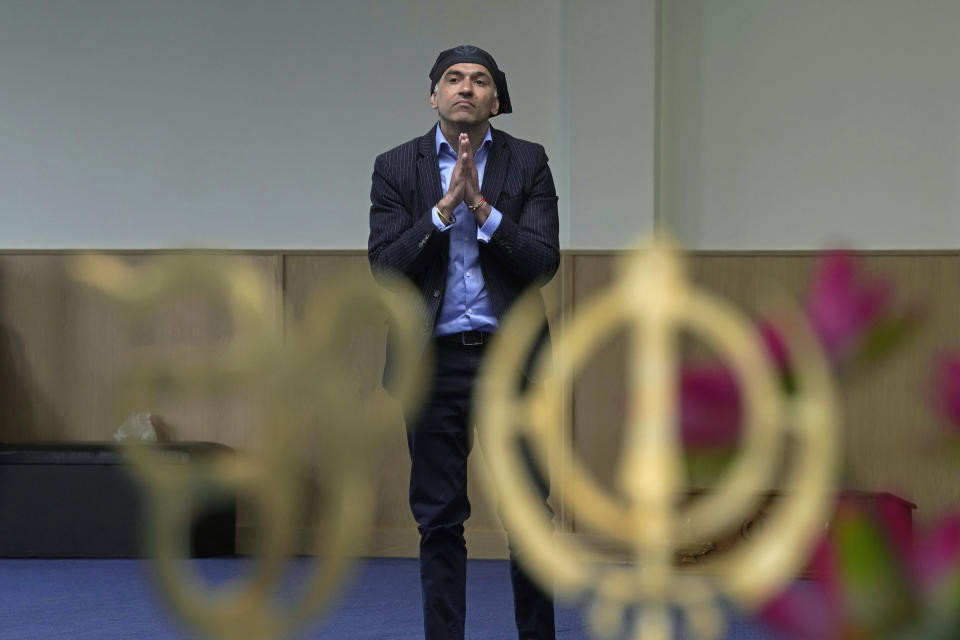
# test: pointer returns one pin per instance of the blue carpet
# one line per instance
(113, 599)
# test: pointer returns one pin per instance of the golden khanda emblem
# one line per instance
(654, 300)
(306, 399)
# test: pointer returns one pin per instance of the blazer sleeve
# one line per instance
(401, 241)
(529, 246)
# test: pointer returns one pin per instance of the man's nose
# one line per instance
(466, 87)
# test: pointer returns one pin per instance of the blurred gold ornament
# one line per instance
(653, 299)
(300, 376)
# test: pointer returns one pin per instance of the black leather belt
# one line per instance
(467, 338)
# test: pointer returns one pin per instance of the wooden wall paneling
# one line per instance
(892, 433)
(755, 285)
(599, 386)
(745, 280)
(319, 276)
(192, 323)
(888, 430)
(63, 346)
(38, 361)
(558, 296)
(878, 403)
(66, 345)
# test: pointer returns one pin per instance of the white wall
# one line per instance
(151, 123)
(242, 124)
(254, 124)
(799, 124)
(610, 52)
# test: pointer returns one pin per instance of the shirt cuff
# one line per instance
(437, 222)
(489, 227)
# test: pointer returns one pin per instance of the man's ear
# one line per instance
(433, 100)
(495, 109)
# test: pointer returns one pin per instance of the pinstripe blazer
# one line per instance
(524, 251)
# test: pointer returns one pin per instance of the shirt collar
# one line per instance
(442, 144)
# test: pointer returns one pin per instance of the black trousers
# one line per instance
(440, 437)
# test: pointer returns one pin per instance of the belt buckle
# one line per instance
(471, 338)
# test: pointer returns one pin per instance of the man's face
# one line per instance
(465, 94)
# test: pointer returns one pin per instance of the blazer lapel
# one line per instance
(496, 169)
(428, 171)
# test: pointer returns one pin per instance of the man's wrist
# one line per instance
(446, 218)
(446, 204)
(475, 201)
(482, 213)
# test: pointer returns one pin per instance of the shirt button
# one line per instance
(468, 274)
(469, 310)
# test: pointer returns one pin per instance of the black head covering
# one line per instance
(476, 55)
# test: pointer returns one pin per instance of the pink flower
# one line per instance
(776, 346)
(946, 387)
(937, 557)
(873, 582)
(810, 609)
(841, 305)
(710, 411)
(849, 314)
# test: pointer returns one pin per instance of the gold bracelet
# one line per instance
(476, 206)
(447, 220)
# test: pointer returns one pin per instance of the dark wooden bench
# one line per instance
(79, 500)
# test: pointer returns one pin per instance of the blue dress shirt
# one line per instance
(466, 303)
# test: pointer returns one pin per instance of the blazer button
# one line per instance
(436, 293)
